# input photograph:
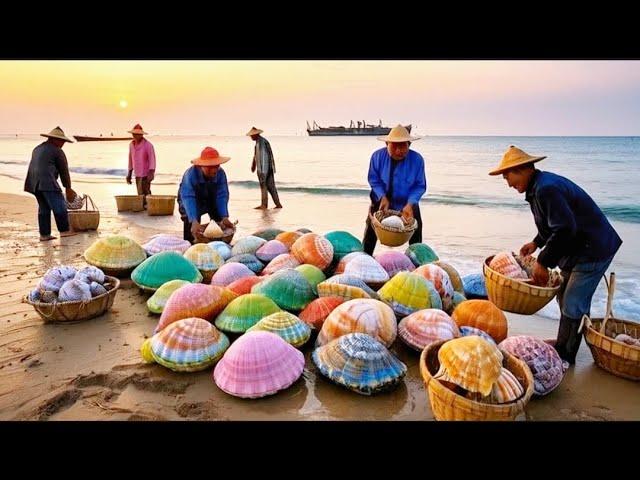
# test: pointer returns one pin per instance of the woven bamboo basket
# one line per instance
(86, 219)
(130, 203)
(77, 311)
(160, 204)
(448, 405)
(515, 296)
(228, 232)
(613, 356)
(389, 236)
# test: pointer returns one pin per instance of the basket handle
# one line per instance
(611, 287)
(86, 203)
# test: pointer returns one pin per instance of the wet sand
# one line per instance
(92, 370)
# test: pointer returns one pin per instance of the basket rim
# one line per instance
(509, 281)
(522, 400)
(115, 280)
(160, 197)
(592, 330)
(387, 213)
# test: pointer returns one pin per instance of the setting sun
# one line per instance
(123, 104)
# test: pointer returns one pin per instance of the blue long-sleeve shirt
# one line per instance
(571, 227)
(198, 195)
(409, 179)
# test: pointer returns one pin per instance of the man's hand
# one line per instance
(540, 275)
(253, 166)
(384, 203)
(407, 214)
(226, 223)
(151, 175)
(129, 177)
(528, 249)
(197, 230)
(70, 194)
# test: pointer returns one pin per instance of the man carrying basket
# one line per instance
(573, 234)
(398, 182)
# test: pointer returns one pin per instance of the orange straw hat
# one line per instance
(514, 157)
(209, 157)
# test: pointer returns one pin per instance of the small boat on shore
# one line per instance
(84, 138)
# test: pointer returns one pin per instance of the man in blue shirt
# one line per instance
(573, 234)
(398, 182)
(204, 189)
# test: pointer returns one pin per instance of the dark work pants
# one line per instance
(48, 202)
(370, 239)
(268, 185)
(144, 187)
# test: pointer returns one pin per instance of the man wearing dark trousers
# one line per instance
(573, 234)
(398, 182)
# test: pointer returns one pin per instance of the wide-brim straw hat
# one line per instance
(57, 133)
(209, 157)
(398, 134)
(254, 131)
(138, 130)
(514, 157)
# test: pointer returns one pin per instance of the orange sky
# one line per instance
(227, 97)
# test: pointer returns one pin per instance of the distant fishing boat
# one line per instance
(85, 138)
(354, 128)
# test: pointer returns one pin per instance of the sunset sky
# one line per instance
(228, 97)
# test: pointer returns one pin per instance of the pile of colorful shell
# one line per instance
(472, 367)
(66, 284)
(165, 243)
(506, 264)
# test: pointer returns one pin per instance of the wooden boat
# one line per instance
(84, 138)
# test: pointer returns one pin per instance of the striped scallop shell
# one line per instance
(271, 250)
(55, 277)
(249, 260)
(166, 243)
(194, 300)
(360, 363)
(229, 273)
(454, 276)
(424, 327)
(244, 285)
(163, 267)
(318, 310)
(249, 244)
(158, 300)
(542, 359)
(96, 289)
(91, 273)
(364, 315)
(474, 286)
(206, 259)
(484, 315)
(188, 345)
(258, 364)
(440, 280)
(74, 291)
(288, 238)
(471, 363)
(393, 221)
(394, 262)
(367, 269)
(213, 230)
(281, 262)
(286, 325)
(313, 275)
(506, 389)
(506, 264)
(346, 286)
(223, 249)
(244, 312)
(115, 252)
(342, 264)
(267, 233)
(421, 254)
(289, 289)
(407, 293)
(313, 249)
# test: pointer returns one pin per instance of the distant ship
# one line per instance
(354, 128)
(85, 138)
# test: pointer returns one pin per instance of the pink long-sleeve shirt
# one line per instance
(142, 157)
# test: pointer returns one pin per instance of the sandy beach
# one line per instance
(92, 370)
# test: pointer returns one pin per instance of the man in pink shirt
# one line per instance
(142, 161)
